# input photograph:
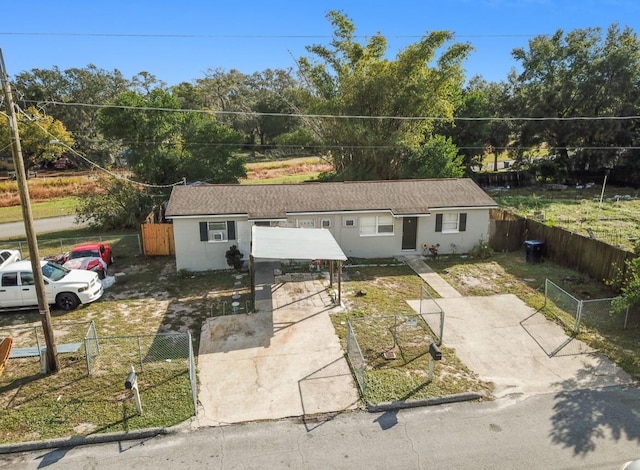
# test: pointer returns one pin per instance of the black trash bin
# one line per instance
(533, 249)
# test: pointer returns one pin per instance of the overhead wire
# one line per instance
(336, 116)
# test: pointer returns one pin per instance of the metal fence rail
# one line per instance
(432, 313)
(356, 359)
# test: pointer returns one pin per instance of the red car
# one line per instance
(90, 256)
(63, 163)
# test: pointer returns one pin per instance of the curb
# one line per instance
(83, 440)
(401, 404)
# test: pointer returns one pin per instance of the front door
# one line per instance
(409, 233)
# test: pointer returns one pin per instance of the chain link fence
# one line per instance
(120, 244)
(599, 314)
(162, 354)
(373, 341)
(432, 313)
(596, 313)
(29, 342)
(356, 359)
(565, 302)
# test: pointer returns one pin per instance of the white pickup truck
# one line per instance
(66, 288)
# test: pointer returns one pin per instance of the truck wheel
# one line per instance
(67, 301)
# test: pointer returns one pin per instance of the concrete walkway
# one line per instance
(442, 287)
(283, 361)
(513, 346)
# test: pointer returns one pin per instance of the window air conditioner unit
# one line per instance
(218, 236)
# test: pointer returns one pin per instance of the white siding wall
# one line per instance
(195, 255)
(460, 242)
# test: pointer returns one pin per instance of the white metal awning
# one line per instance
(294, 243)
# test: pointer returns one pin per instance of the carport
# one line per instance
(295, 243)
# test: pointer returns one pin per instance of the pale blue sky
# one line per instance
(186, 38)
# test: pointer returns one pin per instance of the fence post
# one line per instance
(626, 317)
(546, 283)
(579, 316)
(87, 355)
(192, 375)
(140, 353)
(139, 244)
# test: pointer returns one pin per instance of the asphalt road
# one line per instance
(585, 429)
(53, 224)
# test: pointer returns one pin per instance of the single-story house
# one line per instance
(368, 219)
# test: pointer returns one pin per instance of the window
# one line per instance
(9, 279)
(350, 222)
(218, 231)
(325, 223)
(305, 223)
(26, 279)
(451, 223)
(376, 225)
(270, 223)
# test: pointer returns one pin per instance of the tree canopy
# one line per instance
(43, 139)
(164, 144)
(575, 80)
(366, 94)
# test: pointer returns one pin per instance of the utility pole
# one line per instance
(43, 306)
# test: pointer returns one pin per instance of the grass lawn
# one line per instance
(51, 208)
(615, 221)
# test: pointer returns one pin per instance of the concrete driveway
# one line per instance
(514, 346)
(283, 361)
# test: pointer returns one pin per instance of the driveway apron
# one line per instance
(283, 361)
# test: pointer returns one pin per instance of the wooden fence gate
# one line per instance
(157, 239)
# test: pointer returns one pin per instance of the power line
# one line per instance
(339, 116)
(251, 36)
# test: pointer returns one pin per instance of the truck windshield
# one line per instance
(54, 271)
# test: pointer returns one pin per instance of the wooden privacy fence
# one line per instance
(157, 239)
(599, 260)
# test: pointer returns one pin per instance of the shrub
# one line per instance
(481, 250)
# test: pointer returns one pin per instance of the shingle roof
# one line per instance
(278, 200)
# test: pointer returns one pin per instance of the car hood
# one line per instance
(82, 263)
(79, 275)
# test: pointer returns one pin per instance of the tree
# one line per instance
(43, 138)
(165, 144)
(118, 204)
(208, 151)
(89, 86)
(579, 75)
(273, 93)
(437, 158)
(151, 134)
(353, 79)
(480, 128)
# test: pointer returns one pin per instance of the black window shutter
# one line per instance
(231, 230)
(438, 222)
(463, 222)
(204, 232)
